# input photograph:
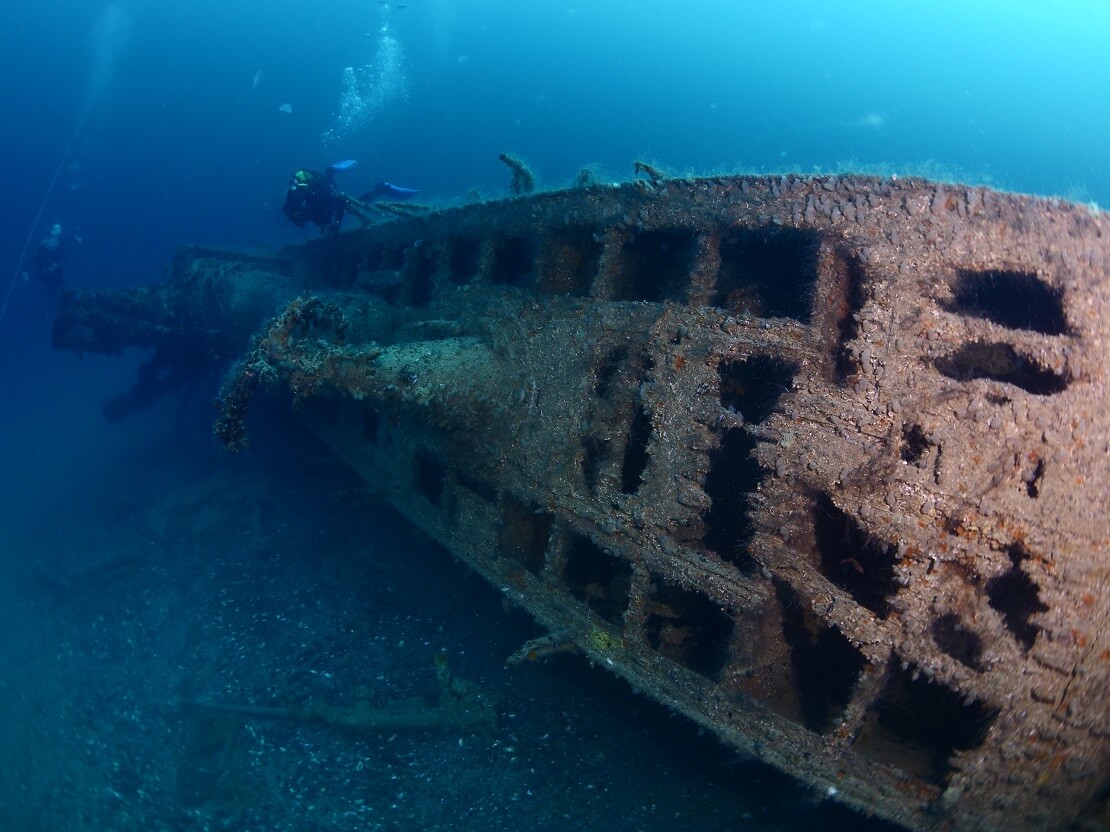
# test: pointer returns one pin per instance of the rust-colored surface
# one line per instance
(820, 462)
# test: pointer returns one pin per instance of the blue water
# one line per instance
(166, 123)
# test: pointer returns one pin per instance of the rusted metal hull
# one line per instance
(822, 463)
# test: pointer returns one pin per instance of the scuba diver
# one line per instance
(313, 197)
(47, 266)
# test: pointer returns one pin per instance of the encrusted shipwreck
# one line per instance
(820, 462)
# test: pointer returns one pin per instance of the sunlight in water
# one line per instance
(108, 37)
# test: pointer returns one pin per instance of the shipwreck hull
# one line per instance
(821, 463)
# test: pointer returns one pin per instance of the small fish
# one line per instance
(286, 108)
(868, 121)
(258, 76)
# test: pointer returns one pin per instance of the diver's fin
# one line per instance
(387, 190)
(344, 165)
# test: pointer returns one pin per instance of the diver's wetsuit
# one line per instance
(312, 197)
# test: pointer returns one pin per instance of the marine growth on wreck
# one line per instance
(819, 462)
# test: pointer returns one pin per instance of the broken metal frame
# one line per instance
(459, 705)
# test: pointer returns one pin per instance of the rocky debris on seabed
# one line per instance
(258, 585)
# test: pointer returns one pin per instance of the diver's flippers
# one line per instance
(387, 190)
(344, 165)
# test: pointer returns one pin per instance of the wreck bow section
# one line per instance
(819, 462)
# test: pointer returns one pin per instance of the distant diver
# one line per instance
(313, 198)
(47, 266)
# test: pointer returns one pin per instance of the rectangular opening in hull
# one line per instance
(918, 726)
(733, 477)
(462, 260)
(687, 628)
(570, 262)
(431, 477)
(768, 273)
(656, 266)
(524, 533)
(850, 557)
(825, 665)
(513, 261)
(1001, 362)
(1013, 299)
(754, 386)
(598, 579)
